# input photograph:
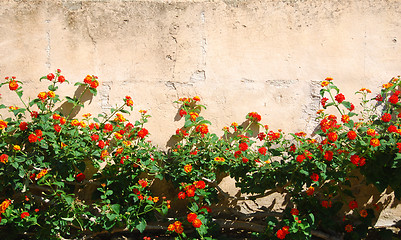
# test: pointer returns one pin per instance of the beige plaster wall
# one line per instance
(238, 56)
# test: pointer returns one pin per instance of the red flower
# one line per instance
(254, 116)
(50, 76)
(351, 135)
(300, 158)
(101, 144)
(393, 99)
(323, 102)
(32, 138)
(34, 114)
(191, 191)
(182, 112)
(13, 85)
(294, 211)
(326, 204)
(386, 117)
(392, 129)
(108, 127)
(237, 154)
(379, 98)
(181, 195)
(243, 146)
(143, 132)
(61, 79)
(23, 126)
(293, 148)
(95, 137)
(332, 136)
(57, 128)
(351, 108)
(353, 204)
(200, 184)
(314, 177)
(348, 228)
(340, 98)
(245, 160)
(262, 150)
(80, 177)
(143, 183)
(191, 217)
(281, 234)
(261, 136)
(24, 214)
(197, 223)
(328, 155)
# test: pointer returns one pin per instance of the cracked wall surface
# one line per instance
(237, 56)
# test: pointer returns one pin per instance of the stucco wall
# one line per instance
(238, 56)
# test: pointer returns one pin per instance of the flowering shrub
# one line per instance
(65, 177)
(61, 175)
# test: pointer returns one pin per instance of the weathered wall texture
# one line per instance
(238, 56)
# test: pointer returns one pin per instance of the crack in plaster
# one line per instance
(48, 46)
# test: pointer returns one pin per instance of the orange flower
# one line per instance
(191, 217)
(42, 96)
(4, 205)
(329, 79)
(188, 168)
(365, 89)
(197, 223)
(63, 145)
(310, 191)
(371, 132)
(196, 98)
(75, 122)
(118, 136)
(348, 228)
(51, 94)
(387, 85)
(363, 213)
(17, 148)
(324, 83)
(171, 227)
(128, 101)
(103, 154)
(4, 158)
(374, 142)
(155, 199)
(82, 124)
(42, 173)
(3, 124)
(203, 129)
(13, 85)
(193, 116)
(179, 229)
(345, 118)
(219, 159)
(119, 118)
(87, 115)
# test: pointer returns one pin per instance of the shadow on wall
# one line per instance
(68, 109)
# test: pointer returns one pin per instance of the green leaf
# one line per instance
(141, 226)
(346, 104)
(93, 91)
(115, 208)
(2, 106)
(188, 123)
